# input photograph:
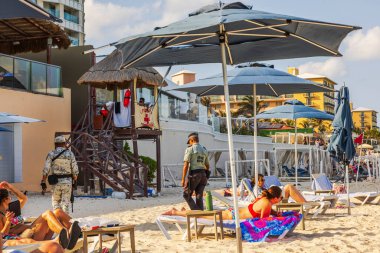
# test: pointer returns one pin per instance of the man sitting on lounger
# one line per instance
(41, 229)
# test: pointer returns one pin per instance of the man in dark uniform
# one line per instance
(196, 166)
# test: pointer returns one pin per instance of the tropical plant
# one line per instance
(206, 101)
(149, 162)
(306, 123)
(289, 123)
(278, 121)
(246, 107)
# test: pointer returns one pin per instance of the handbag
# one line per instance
(53, 178)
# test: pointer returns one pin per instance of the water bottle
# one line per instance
(209, 206)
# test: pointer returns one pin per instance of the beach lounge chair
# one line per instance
(180, 221)
(322, 184)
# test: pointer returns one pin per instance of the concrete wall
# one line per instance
(174, 138)
(37, 138)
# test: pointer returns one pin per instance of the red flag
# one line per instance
(359, 139)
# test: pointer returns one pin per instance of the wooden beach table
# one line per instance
(292, 207)
(198, 214)
(117, 230)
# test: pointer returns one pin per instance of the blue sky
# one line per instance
(110, 20)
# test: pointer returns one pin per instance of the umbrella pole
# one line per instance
(231, 147)
(348, 190)
(295, 151)
(255, 138)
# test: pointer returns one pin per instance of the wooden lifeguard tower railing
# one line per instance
(98, 144)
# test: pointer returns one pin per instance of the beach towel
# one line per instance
(257, 230)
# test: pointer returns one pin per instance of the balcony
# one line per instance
(70, 17)
(75, 4)
(32, 76)
(74, 41)
(53, 12)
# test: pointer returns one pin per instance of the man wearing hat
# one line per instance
(61, 165)
(196, 166)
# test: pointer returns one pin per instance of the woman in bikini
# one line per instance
(43, 228)
(260, 208)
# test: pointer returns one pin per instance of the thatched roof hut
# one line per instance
(26, 27)
(107, 74)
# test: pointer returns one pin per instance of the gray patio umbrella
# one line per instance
(6, 118)
(256, 79)
(294, 109)
(214, 31)
(341, 144)
(2, 129)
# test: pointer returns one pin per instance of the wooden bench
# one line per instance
(199, 214)
(110, 230)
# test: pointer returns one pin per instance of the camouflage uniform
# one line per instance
(64, 164)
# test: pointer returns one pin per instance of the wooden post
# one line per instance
(158, 159)
(48, 50)
(133, 113)
(85, 165)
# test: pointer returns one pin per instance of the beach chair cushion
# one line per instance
(270, 181)
(321, 183)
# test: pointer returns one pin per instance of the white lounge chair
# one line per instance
(202, 223)
(321, 183)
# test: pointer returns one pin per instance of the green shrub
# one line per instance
(149, 162)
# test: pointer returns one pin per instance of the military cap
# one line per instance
(60, 139)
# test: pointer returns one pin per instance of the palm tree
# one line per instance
(246, 107)
(278, 121)
(289, 123)
(306, 123)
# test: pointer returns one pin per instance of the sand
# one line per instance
(333, 232)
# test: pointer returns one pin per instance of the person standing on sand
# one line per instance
(61, 163)
(196, 167)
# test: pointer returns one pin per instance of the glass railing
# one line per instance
(71, 17)
(19, 73)
(53, 12)
(74, 41)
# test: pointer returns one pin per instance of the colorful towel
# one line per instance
(257, 230)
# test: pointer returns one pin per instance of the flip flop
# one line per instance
(74, 232)
(63, 240)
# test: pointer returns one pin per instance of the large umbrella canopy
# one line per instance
(26, 27)
(294, 109)
(268, 81)
(341, 143)
(266, 36)
(233, 31)
(6, 118)
(107, 74)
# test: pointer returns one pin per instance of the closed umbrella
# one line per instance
(341, 143)
(254, 79)
(294, 110)
(234, 31)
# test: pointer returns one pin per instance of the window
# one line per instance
(6, 71)
(38, 77)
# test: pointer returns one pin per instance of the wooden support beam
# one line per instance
(6, 23)
(41, 28)
(158, 159)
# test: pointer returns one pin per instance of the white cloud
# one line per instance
(332, 68)
(107, 22)
(363, 45)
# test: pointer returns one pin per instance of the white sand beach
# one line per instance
(333, 232)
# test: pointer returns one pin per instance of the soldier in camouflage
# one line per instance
(66, 168)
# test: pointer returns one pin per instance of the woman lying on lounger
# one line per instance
(43, 228)
(260, 208)
(289, 190)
